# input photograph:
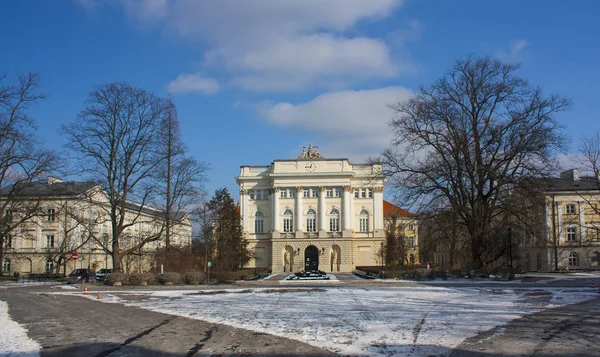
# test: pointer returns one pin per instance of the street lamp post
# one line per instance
(510, 256)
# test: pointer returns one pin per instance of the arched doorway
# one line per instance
(311, 258)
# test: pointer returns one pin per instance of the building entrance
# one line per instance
(311, 258)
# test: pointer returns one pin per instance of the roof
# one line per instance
(569, 185)
(44, 189)
(391, 210)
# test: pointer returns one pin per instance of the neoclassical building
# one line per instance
(313, 213)
(52, 220)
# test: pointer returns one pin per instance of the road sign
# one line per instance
(74, 256)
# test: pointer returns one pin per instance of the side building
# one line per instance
(572, 216)
(44, 223)
(313, 213)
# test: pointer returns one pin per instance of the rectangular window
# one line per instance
(364, 193)
(315, 192)
(287, 225)
(306, 192)
(251, 194)
(364, 224)
(411, 242)
(356, 193)
(8, 241)
(51, 214)
(258, 226)
(338, 192)
(570, 209)
(329, 192)
(283, 193)
(571, 234)
(258, 194)
(334, 224)
(310, 225)
(292, 192)
(370, 192)
(49, 241)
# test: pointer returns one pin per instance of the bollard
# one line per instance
(85, 291)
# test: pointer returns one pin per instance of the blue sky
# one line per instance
(255, 81)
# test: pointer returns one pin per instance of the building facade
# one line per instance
(55, 219)
(313, 213)
(572, 216)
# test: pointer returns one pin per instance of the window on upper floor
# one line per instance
(311, 220)
(570, 209)
(259, 222)
(411, 242)
(283, 193)
(315, 192)
(292, 192)
(50, 214)
(356, 193)
(364, 221)
(571, 234)
(258, 195)
(334, 220)
(8, 241)
(338, 192)
(364, 193)
(49, 241)
(305, 192)
(370, 193)
(252, 194)
(288, 221)
(329, 192)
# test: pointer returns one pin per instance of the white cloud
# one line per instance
(518, 46)
(282, 45)
(354, 124)
(515, 52)
(193, 83)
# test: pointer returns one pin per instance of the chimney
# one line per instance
(572, 175)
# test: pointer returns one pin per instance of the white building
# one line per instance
(313, 213)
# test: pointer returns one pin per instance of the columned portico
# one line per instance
(346, 210)
(275, 209)
(312, 203)
(298, 211)
(322, 221)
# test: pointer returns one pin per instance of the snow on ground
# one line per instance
(13, 337)
(374, 321)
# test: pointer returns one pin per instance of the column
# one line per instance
(347, 208)
(298, 210)
(548, 220)
(580, 207)
(275, 209)
(244, 209)
(322, 220)
(378, 208)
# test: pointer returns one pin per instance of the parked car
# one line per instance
(81, 276)
(102, 273)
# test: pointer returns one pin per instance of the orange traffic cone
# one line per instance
(85, 292)
(99, 296)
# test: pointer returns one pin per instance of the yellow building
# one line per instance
(572, 217)
(63, 218)
(312, 213)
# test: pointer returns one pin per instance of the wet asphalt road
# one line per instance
(73, 326)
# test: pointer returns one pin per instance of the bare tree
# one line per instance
(113, 139)
(22, 159)
(469, 139)
(180, 178)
